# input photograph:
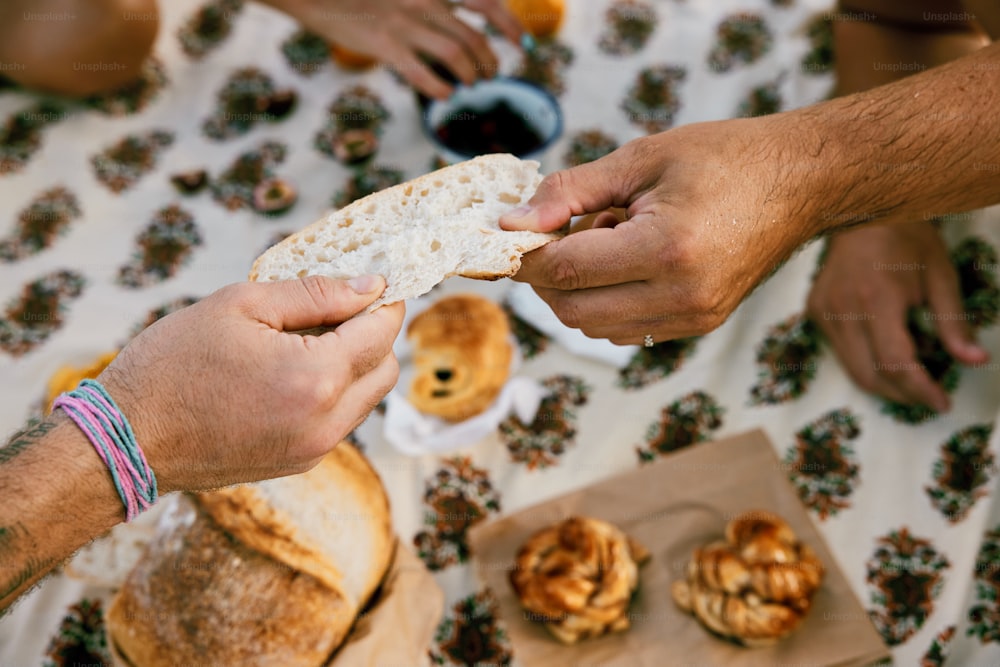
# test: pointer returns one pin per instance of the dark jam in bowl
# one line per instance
(498, 128)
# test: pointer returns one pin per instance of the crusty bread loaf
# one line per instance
(418, 233)
(272, 573)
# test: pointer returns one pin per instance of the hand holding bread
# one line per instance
(246, 400)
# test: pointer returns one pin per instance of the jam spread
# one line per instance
(495, 129)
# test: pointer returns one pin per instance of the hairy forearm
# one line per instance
(873, 52)
(916, 148)
(55, 496)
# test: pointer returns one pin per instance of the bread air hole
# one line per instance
(408, 190)
(310, 239)
(469, 202)
(371, 209)
(303, 273)
(435, 246)
(423, 193)
(345, 223)
(464, 179)
(351, 245)
(508, 198)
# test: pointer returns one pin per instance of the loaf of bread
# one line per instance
(577, 577)
(461, 356)
(418, 233)
(272, 573)
(756, 586)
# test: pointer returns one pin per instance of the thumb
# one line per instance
(950, 318)
(313, 301)
(587, 188)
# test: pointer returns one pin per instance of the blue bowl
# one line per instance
(534, 106)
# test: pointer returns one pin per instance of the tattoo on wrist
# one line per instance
(24, 438)
(31, 569)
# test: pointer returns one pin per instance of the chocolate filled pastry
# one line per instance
(577, 577)
(756, 586)
(461, 356)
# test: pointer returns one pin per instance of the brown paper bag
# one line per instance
(671, 507)
(397, 628)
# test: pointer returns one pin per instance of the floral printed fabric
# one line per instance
(122, 208)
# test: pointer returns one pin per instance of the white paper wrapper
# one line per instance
(415, 434)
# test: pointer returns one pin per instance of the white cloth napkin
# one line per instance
(530, 307)
(415, 434)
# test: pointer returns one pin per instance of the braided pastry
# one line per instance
(577, 577)
(756, 586)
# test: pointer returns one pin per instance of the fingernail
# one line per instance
(521, 217)
(528, 42)
(365, 284)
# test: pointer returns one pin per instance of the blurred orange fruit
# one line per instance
(68, 377)
(539, 17)
(350, 59)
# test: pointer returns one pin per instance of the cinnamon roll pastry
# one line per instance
(577, 577)
(756, 586)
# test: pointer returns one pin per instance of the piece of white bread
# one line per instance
(418, 233)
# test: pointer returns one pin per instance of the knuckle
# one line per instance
(453, 53)
(318, 289)
(864, 380)
(707, 322)
(322, 390)
(567, 312)
(563, 273)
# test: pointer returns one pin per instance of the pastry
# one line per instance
(754, 587)
(577, 577)
(67, 378)
(461, 356)
(264, 574)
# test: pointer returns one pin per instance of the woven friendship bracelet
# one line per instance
(99, 417)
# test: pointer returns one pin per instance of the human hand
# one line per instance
(861, 298)
(711, 210)
(218, 393)
(398, 32)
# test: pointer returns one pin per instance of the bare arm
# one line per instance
(714, 207)
(184, 384)
(880, 352)
(76, 47)
(57, 496)
(923, 146)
